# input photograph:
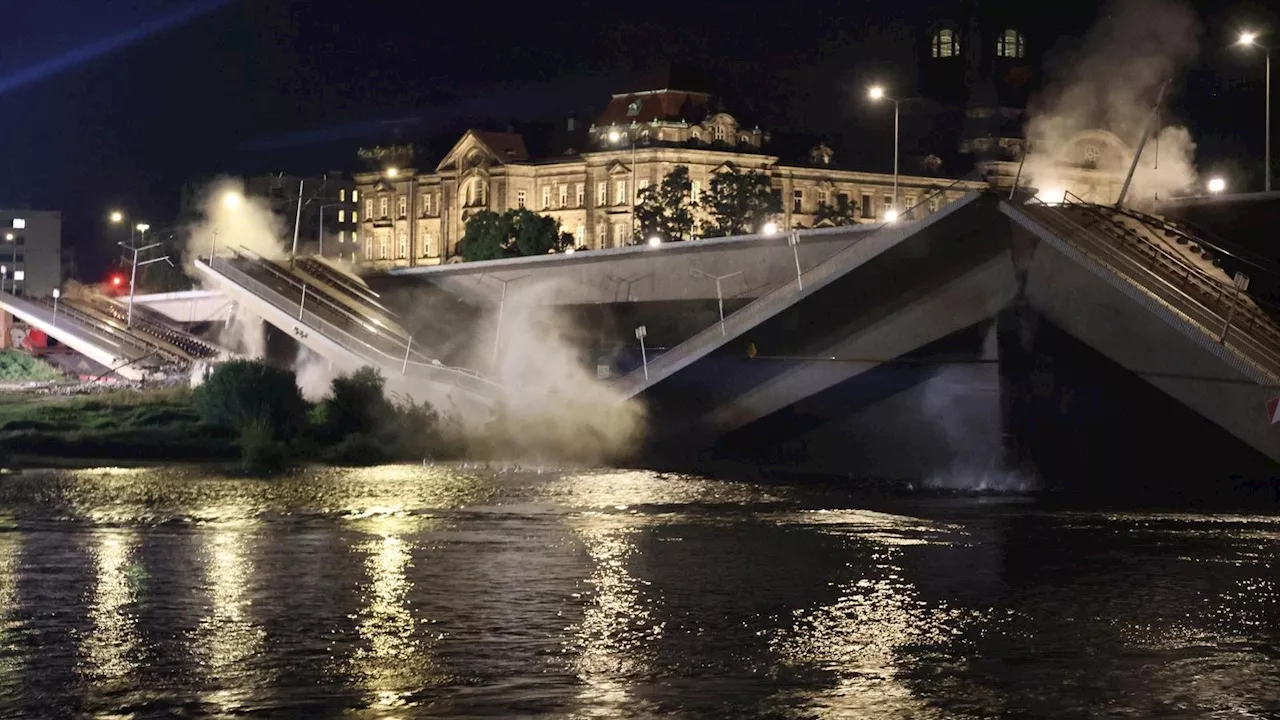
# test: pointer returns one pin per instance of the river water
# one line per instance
(408, 591)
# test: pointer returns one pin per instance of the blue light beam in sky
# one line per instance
(97, 49)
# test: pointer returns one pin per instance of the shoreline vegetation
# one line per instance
(248, 415)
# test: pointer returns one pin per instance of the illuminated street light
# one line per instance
(1250, 39)
(8, 236)
(655, 241)
(570, 250)
(393, 172)
(143, 227)
(614, 136)
(116, 217)
(877, 93)
(1217, 185)
(232, 199)
(770, 228)
(890, 215)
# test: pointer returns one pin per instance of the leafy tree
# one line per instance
(843, 212)
(241, 393)
(666, 209)
(739, 203)
(514, 233)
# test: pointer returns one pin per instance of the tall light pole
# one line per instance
(1251, 39)
(614, 137)
(133, 273)
(719, 294)
(877, 93)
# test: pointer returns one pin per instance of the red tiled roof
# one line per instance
(508, 146)
(656, 105)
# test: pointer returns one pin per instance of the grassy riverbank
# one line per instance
(114, 425)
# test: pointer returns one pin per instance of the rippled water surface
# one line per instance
(408, 591)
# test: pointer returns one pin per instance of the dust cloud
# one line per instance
(1111, 83)
(555, 407)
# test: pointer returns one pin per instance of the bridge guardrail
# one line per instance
(450, 375)
(1177, 284)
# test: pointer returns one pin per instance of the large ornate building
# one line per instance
(414, 214)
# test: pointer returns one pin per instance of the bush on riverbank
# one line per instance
(17, 366)
(358, 424)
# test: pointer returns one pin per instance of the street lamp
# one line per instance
(116, 217)
(615, 137)
(232, 199)
(1251, 39)
(393, 172)
(890, 215)
(770, 228)
(1217, 185)
(655, 241)
(4, 274)
(878, 93)
(56, 294)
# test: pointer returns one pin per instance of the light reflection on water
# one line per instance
(409, 591)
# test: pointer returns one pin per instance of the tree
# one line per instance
(739, 203)
(843, 212)
(514, 233)
(666, 209)
(244, 393)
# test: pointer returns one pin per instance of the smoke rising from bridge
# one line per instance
(1111, 83)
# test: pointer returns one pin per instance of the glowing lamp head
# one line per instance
(393, 172)
(232, 200)
(890, 215)
(570, 250)
(57, 293)
(117, 280)
(876, 92)
(116, 217)
(143, 227)
(614, 136)
(770, 228)
(1248, 38)
(655, 241)
(8, 236)
(1217, 185)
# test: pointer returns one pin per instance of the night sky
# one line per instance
(116, 104)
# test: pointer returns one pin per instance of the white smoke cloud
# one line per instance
(315, 374)
(231, 220)
(1111, 84)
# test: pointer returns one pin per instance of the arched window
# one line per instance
(696, 135)
(720, 132)
(475, 192)
(1011, 44)
(946, 43)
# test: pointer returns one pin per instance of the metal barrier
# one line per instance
(430, 370)
(1214, 306)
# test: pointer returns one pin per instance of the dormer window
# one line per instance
(719, 133)
(633, 109)
(946, 43)
(696, 135)
(1011, 44)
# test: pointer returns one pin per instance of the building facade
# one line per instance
(31, 251)
(410, 215)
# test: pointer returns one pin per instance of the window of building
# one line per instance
(934, 203)
(619, 234)
(355, 216)
(426, 244)
(342, 237)
(602, 194)
(342, 215)
(404, 245)
(719, 130)
(946, 43)
(868, 209)
(644, 136)
(908, 201)
(384, 204)
(385, 240)
(600, 233)
(402, 206)
(355, 237)
(581, 192)
(695, 190)
(842, 200)
(640, 187)
(368, 249)
(696, 135)
(520, 198)
(19, 223)
(579, 235)
(821, 196)
(368, 208)
(564, 195)
(355, 196)
(888, 203)
(1011, 44)
(426, 203)
(342, 195)
(620, 192)
(546, 197)
(797, 200)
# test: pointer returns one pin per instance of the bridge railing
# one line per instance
(1216, 307)
(777, 299)
(430, 370)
